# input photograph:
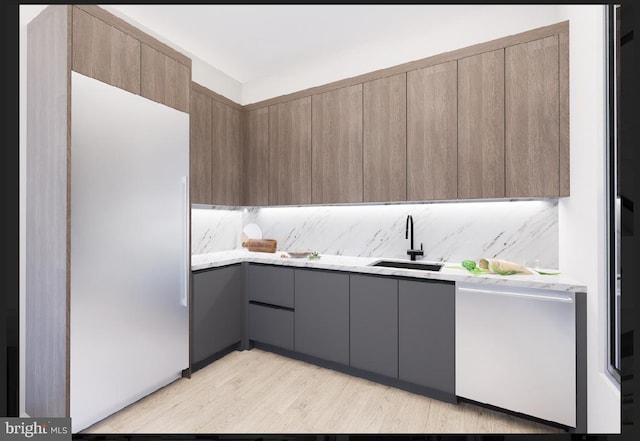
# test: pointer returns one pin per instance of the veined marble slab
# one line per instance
(362, 265)
(215, 230)
(524, 232)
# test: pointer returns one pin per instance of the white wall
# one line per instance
(582, 217)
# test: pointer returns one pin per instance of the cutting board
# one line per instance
(261, 245)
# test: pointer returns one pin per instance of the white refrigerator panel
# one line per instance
(129, 249)
(515, 349)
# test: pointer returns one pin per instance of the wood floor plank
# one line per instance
(261, 392)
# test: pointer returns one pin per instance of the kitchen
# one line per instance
(538, 232)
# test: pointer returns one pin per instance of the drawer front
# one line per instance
(271, 284)
(271, 325)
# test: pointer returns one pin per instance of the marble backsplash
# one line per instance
(215, 229)
(525, 232)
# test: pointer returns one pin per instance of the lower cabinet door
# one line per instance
(218, 310)
(426, 342)
(270, 325)
(322, 314)
(374, 324)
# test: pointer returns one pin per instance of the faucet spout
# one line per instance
(409, 223)
(411, 251)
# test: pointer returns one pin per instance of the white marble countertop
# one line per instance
(361, 265)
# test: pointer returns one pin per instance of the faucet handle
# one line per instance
(421, 246)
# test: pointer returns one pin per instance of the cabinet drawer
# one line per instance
(272, 285)
(273, 326)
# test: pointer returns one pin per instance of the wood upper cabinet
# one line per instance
(563, 91)
(385, 139)
(290, 152)
(481, 126)
(164, 79)
(105, 53)
(337, 146)
(432, 132)
(255, 162)
(200, 121)
(225, 154)
(532, 129)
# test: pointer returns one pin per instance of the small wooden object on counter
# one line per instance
(261, 245)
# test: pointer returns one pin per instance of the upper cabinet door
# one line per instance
(563, 90)
(164, 79)
(225, 154)
(255, 162)
(105, 53)
(532, 135)
(385, 139)
(432, 132)
(481, 126)
(200, 141)
(290, 152)
(337, 146)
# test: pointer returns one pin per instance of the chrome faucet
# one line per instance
(411, 251)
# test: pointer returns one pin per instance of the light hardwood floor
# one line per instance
(261, 392)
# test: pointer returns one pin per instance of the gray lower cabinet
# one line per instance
(271, 325)
(373, 324)
(322, 314)
(270, 295)
(271, 284)
(426, 341)
(218, 310)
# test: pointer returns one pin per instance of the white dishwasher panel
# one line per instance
(515, 349)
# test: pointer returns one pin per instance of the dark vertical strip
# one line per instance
(9, 305)
(398, 324)
(348, 321)
(244, 342)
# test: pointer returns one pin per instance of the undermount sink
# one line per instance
(409, 265)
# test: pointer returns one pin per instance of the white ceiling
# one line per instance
(248, 42)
